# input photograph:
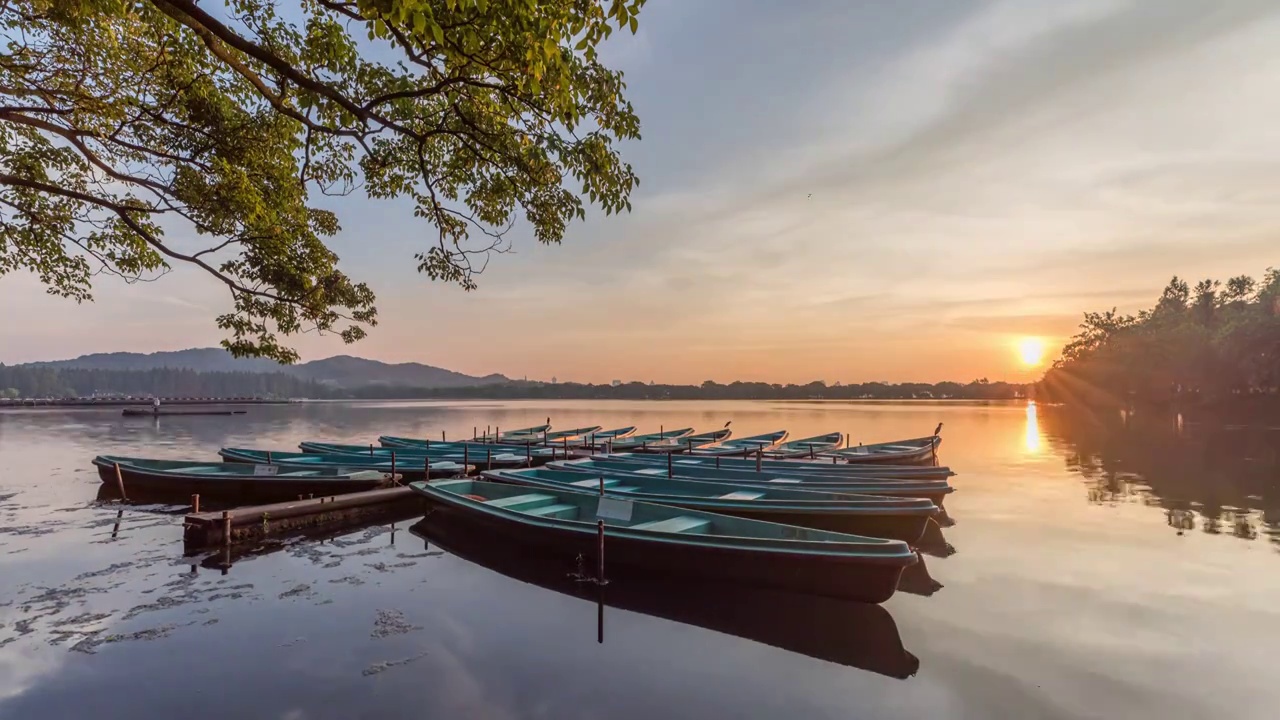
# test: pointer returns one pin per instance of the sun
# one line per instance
(1031, 351)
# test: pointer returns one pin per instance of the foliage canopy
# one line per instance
(139, 134)
(1211, 340)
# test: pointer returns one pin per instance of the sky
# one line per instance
(840, 191)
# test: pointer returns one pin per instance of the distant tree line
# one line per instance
(708, 390)
(1207, 343)
(41, 381)
(35, 381)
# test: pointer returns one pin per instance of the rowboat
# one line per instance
(483, 457)
(875, 516)
(159, 412)
(808, 447)
(922, 449)
(744, 446)
(847, 633)
(637, 441)
(933, 490)
(685, 443)
(566, 436)
(414, 468)
(498, 436)
(602, 437)
(678, 541)
(217, 479)
(829, 466)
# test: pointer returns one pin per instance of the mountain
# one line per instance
(341, 371)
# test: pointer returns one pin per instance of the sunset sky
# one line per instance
(839, 191)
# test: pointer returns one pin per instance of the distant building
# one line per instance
(553, 379)
(616, 383)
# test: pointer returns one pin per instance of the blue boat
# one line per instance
(233, 480)
(829, 466)
(684, 443)
(484, 457)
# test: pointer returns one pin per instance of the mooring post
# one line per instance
(226, 527)
(268, 457)
(669, 463)
(811, 453)
(120, 483)
(473, 432)
(600, 552)
(370, 449)
(662, 431)
(717, 462)
(393, 467)
(602, 486)
(528, 453)
(426, 467)
(466, 457)
(759, 459)
(488, 458)
(195, 503)
(442, 438)
(497, 433)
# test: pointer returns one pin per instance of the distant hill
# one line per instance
(340, 371)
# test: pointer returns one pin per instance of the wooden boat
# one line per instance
(160, 412)
(678, 541)
(684, 443)
(483, 457)
(808, 447)
(638, 441)
(914, 450)
(829, 466)
(414, 468)
(870, 515)
(564, 437)
(852, 634)
(744, 446)
(218, 480)
(933, 490)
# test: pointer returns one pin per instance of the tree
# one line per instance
(138, 135)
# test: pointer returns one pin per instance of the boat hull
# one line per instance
(862, 579)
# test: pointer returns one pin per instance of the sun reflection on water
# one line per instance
(1031, 439)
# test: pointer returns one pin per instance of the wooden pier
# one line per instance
(247, 524)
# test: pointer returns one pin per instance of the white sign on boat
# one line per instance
(265, 469)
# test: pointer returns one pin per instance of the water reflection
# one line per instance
(848, 633)
(1031, 435)
(1220, 479)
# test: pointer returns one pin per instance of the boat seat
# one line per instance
(622, 488)
(593, 483)
(678, 524)
(524, 502)
(742, 495)
(197, 468)
(559, 511)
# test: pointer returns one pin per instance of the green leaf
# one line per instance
(437, 32)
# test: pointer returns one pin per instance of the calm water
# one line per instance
(1099, 571)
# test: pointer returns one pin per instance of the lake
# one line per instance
(1100, 567)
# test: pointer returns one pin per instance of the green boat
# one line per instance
(685, 443)
(828, 466)
(809, 447)
(562, 437)
(933, 490)
(537, 455)
(638, 441)
(914, 450)
(677, 541)
(744, 446)
(411, 468)
(483, 457)
(233, 480)
(603, 437)
(874, 516)
(498, 436)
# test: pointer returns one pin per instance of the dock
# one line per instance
(252, 523)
